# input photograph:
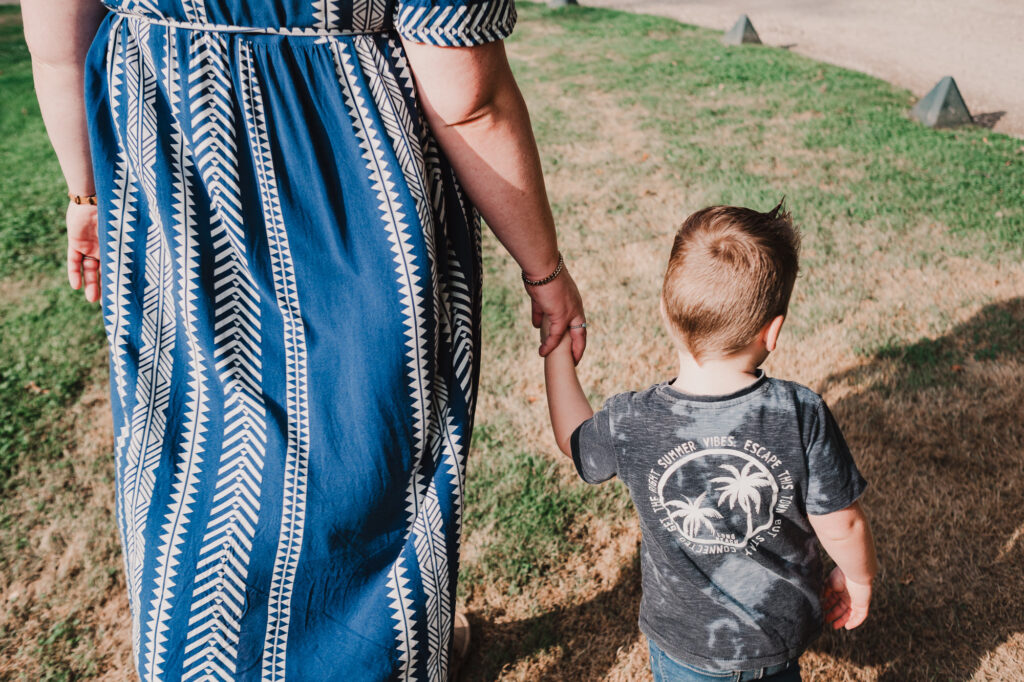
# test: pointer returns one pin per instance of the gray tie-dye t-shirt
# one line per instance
(723, 485)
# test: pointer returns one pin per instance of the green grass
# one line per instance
(993, 335)
(715, 110)
(515, 498)
(52, 339)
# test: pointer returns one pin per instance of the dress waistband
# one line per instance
(228, 28)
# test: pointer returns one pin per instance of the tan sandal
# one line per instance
(460, 646)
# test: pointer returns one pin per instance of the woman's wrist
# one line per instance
(544, 273)
(80, 199)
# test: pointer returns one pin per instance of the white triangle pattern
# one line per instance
(218, 596)
(325, 13)
(424, 516)
(119, 256)
(451, 312)
(195, 409)
(457, 25)
(195, 10)
(148, 421)
(293, 507)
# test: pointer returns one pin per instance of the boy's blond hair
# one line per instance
(731, 271)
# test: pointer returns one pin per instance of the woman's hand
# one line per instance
(559, 301)
(84, 250)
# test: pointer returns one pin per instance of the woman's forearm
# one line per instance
(58, 34)
(482, 124)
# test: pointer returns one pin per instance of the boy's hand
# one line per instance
(845, 602)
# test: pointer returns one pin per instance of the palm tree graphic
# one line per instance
(694, 514)
(742, 488)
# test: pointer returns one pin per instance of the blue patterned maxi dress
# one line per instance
(291, 284)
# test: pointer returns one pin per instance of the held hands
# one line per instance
(83, 250)
(845, 602)
(558, 305)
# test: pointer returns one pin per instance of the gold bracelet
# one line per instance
(88, 199)
(538, 282)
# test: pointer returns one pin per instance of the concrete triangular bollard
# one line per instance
(943, 107)
(742, 32)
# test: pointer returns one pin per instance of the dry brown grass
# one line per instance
(64, 606)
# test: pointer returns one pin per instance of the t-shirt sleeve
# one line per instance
(834, 481)
(593, 444)
(455, 23)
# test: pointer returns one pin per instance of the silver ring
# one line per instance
(578, 326)
(85, 258)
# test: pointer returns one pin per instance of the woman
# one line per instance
(290, 282)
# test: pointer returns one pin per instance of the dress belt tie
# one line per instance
(229, 28)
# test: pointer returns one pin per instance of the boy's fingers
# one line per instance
(837, 606)
(857, 616)
(838, 616)
(537, 313)
(838, 623)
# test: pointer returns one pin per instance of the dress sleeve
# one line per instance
(834, 482)
(593, 444)
(455, 23)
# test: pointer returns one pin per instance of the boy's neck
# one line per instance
(718, 375)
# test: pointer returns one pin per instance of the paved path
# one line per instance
(912, 43)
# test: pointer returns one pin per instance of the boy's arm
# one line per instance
(846, 536)
(567, 404)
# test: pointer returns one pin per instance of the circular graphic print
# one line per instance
(719, 496)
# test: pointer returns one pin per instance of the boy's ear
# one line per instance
(770, 332)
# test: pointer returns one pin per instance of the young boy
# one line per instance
(736, 476)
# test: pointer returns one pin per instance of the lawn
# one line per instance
(907, 317)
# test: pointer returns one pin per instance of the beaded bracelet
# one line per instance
(537, 282)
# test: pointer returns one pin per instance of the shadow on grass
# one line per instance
(938, 429)
(583, 640)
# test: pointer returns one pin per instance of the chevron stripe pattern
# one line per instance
(293, 508)
(195, 10)
(197, 396)
(454, 313)
(458, 24)
(239, 479)
(218, 597)
(422, 507)
(404, 141)
(148, 422)
(325, 13)
(119, 257)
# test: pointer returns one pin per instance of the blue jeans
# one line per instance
(667, 669)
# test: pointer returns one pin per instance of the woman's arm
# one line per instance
(479, 118)
(58, 33)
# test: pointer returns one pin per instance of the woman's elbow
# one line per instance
(462, 110)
